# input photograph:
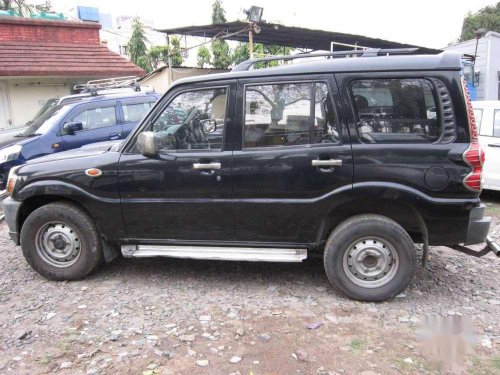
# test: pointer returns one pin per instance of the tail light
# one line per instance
(474, 155)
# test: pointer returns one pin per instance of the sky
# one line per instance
(426, 23)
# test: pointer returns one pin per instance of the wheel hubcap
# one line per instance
(371, 262)
(58, 244)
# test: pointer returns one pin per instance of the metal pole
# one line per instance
(250, 42)
(169, 63)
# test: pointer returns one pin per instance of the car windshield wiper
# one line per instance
(27, 135)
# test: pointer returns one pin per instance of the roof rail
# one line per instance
(96, 85)
(368, 52)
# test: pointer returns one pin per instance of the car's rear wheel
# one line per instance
(370, 258)
(60, 242)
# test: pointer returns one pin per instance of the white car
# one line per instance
(488, 121)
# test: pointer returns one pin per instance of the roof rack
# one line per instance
(96, 85)
(368, 52)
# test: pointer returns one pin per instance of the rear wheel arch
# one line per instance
(402, 213)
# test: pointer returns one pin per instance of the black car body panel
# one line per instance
(275, 195)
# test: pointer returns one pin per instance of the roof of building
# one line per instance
(33, 47)
(62, 59)
(296, 37)
(441, 61)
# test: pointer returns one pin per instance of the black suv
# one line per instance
(355, 158)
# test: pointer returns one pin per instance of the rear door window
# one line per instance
(478, 115)
(289, 114)
(96, 118)
(395, 111)
(134, 112)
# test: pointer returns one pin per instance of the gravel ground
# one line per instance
(169, 316)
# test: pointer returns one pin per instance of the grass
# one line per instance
(495, 361)
(46, 359)
(358, 345)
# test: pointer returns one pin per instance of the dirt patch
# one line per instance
(170, 316)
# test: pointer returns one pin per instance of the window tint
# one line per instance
(96, 118)
(135, 112)
(496, 123)
(193, 120)
(478, 115)
(288, 114)
(395, 111)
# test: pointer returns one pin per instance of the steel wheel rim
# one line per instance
(58, 244)
(371, 262)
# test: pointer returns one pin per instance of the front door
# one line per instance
(99, 123)
(294, 162)
(184, 193)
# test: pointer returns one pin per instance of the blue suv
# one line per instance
(72, 124)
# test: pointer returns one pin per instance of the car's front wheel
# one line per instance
(60, 242)
(370, 258)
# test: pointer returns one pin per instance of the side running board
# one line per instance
(252, 254)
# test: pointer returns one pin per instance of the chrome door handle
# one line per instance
(326, 163)
(206, 166)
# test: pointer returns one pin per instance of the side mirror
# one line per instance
(146, 144)
(72, 127)
(209, 126)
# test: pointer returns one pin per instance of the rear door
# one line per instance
(292, 161)
(99, 122)
(132, 112)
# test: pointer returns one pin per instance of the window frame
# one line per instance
(289, 80)
(356, 119)
(158, 108)
(493, 133)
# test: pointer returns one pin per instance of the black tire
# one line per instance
(342, 243)
(68, 215)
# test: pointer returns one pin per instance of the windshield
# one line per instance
(42, 124)
(49, 103)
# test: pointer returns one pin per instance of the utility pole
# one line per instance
(250, 41)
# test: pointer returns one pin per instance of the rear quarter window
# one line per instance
(395, 110)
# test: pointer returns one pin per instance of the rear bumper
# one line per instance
(478, 227)
(11, 212)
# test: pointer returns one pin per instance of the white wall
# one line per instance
(27, 95)
(160, 81)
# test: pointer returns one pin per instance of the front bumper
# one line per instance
(11, 211)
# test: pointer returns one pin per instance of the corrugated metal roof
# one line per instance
(297, 37)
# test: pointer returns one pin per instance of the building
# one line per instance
(487, 66)
(43, 59)
(160, 79)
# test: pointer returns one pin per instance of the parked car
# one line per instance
(354, 158)
(74, 122)
(488, 122)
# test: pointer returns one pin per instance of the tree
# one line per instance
(23, 8)
(137, 44)
(487, 18)
(203, 57)
(156, 55)
(218, 12)
(241, 53)
(221, 52)
(175, 51)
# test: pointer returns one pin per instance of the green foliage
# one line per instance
(487, 18)
(203, 57)
(23, 8)
(241, 53)
(156, 55)
(142, 62)
(137, 44)
(221, 53)
(175, 50)
(218, 12)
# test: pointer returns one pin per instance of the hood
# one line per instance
(8, 137)
(85, 151)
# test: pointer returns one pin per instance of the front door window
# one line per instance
(194, 120)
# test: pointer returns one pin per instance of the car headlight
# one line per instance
(10, 153)
(12, 179)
